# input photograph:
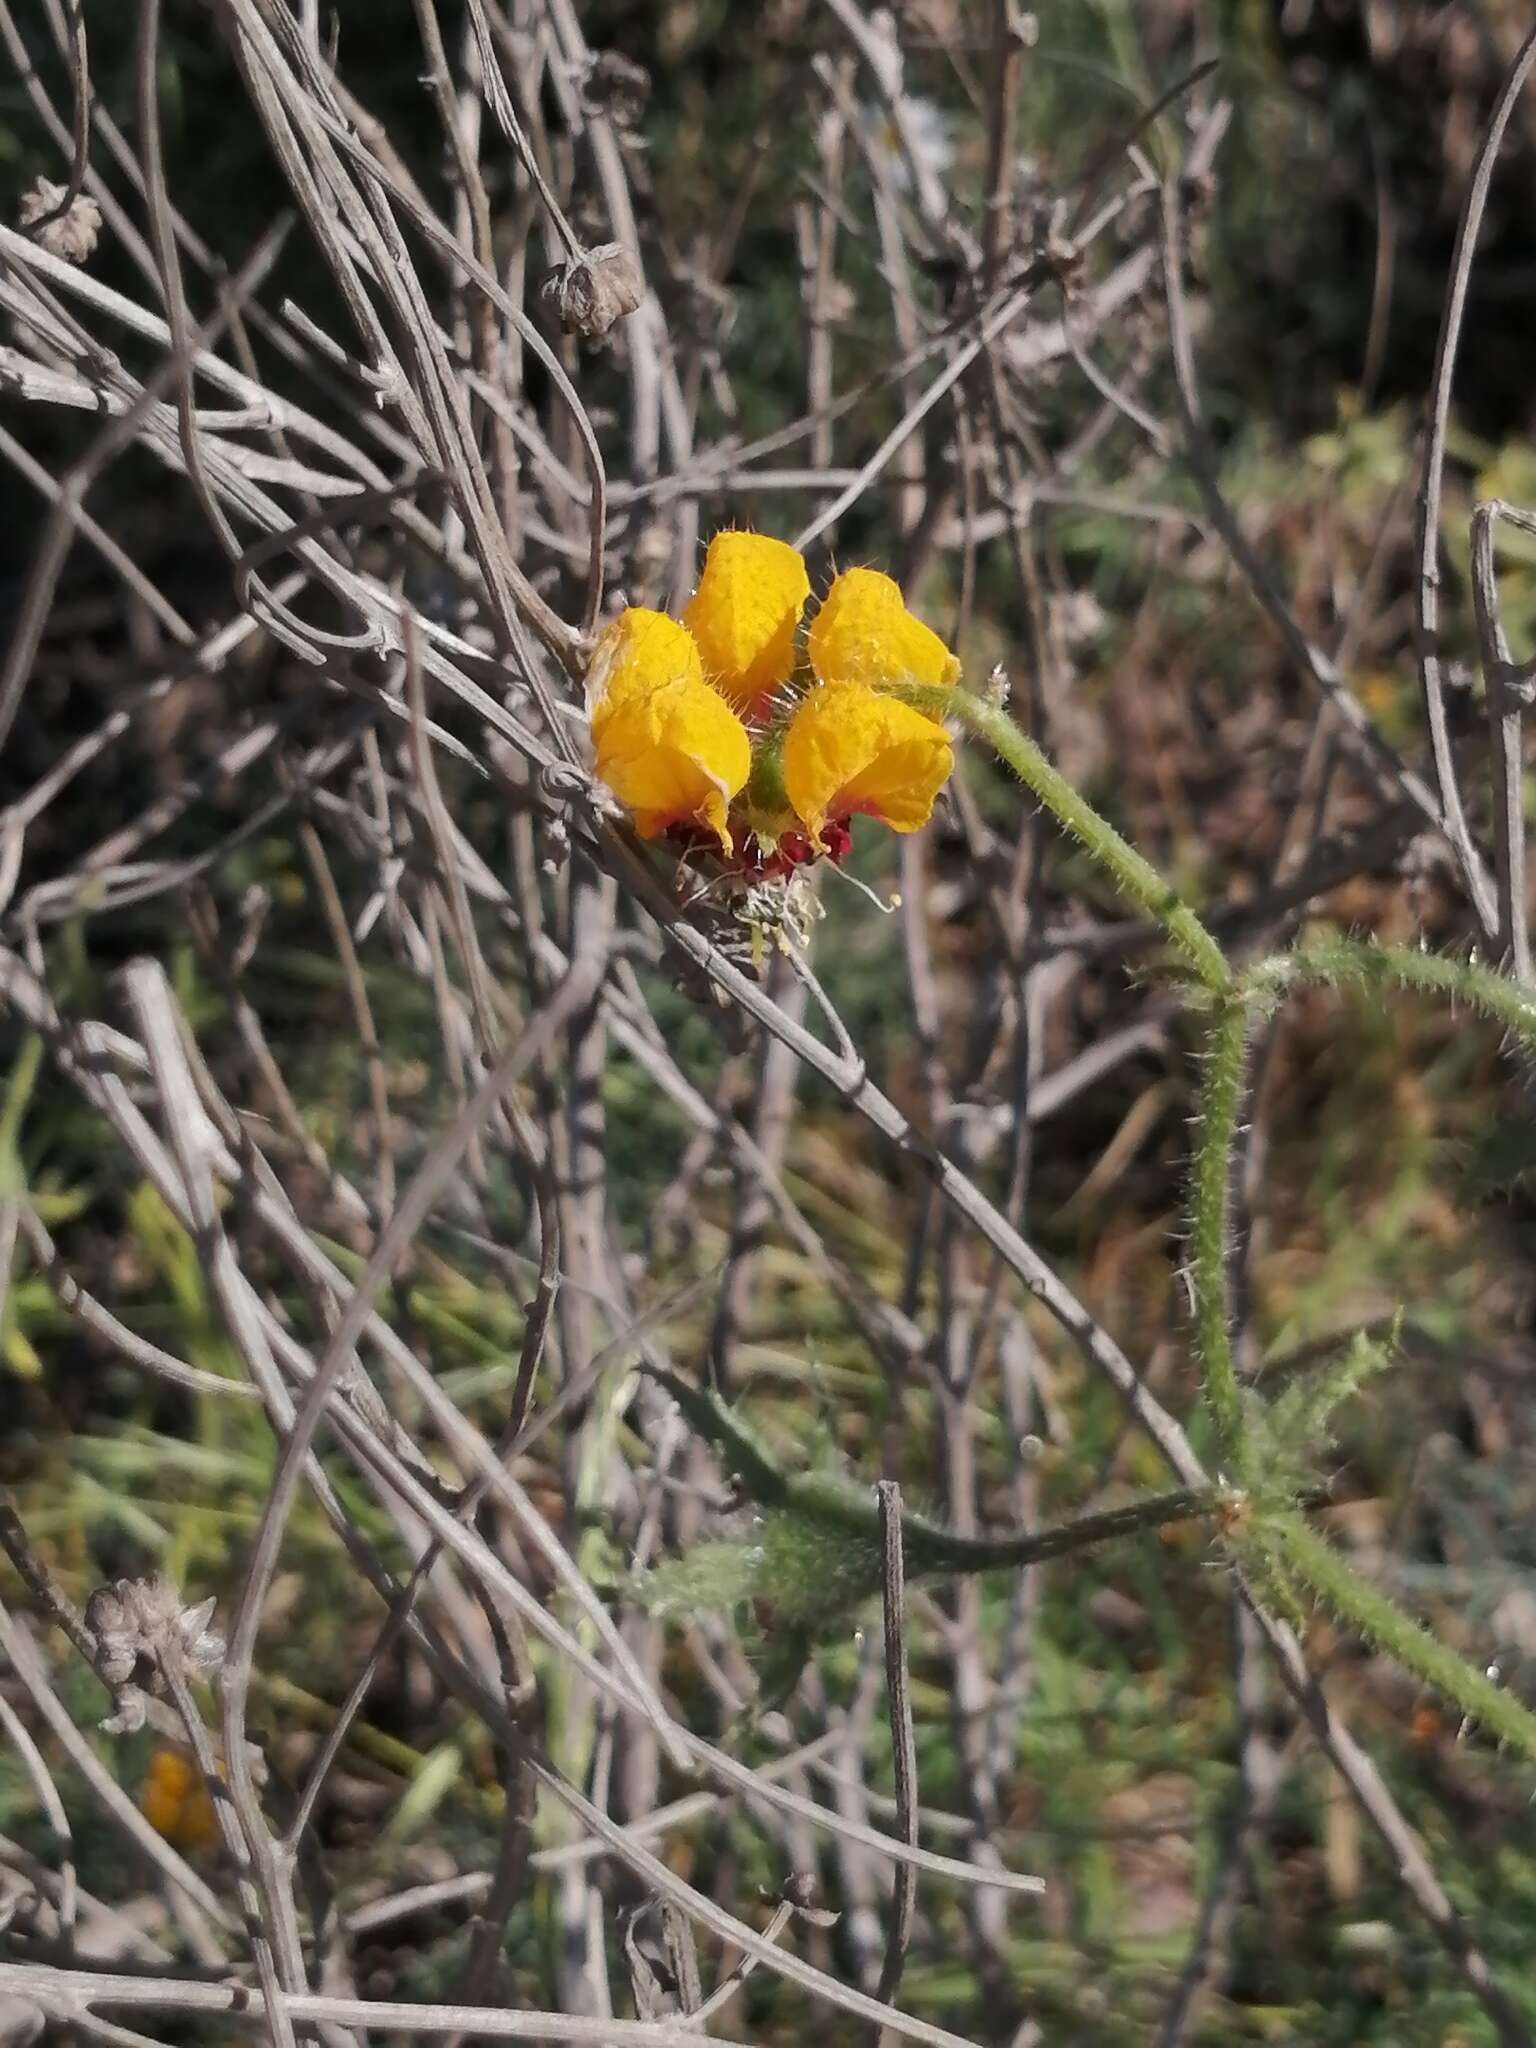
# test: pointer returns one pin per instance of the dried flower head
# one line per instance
(142, 1630)
(618, 87)
(69, 232)
(594, 292)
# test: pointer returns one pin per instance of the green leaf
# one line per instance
(430, 1786)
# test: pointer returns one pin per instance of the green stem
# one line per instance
(1287, 1538)
(1366, 964)
(1138, 879)
(930, 1548)
(1132, 874)
(18, 1093)
(1210, 1204)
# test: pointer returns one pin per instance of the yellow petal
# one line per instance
(640, 649)
(851, 751)
(175, 1801)
(745, 614)
(674, 753)
(864, 633)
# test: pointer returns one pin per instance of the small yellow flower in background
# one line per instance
(674, 753)
(687, 716)
(864, 633)
(745, 615)
(850, 752)
(175, 1801)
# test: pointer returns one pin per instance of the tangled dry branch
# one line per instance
(421, 499)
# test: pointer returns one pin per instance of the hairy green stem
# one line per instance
(933, 1549)
(1210, 1219)
(1366, 964)
(1286, 1539)
(1134, 875)
(929, 1547)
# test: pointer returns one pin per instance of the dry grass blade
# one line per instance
(903, 1742)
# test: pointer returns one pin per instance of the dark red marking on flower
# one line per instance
(753, 861)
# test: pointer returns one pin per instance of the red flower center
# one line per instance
(756, 864)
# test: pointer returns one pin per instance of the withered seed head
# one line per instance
(68, 232)
(594, 292)
(618, 87)
(140, 1627)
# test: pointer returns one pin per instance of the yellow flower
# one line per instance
(669, 747)
(175, 1801)
(670, 704)
(849, 751)
(864, 633)
(674, 753)
(745, 614)
(640, 649)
